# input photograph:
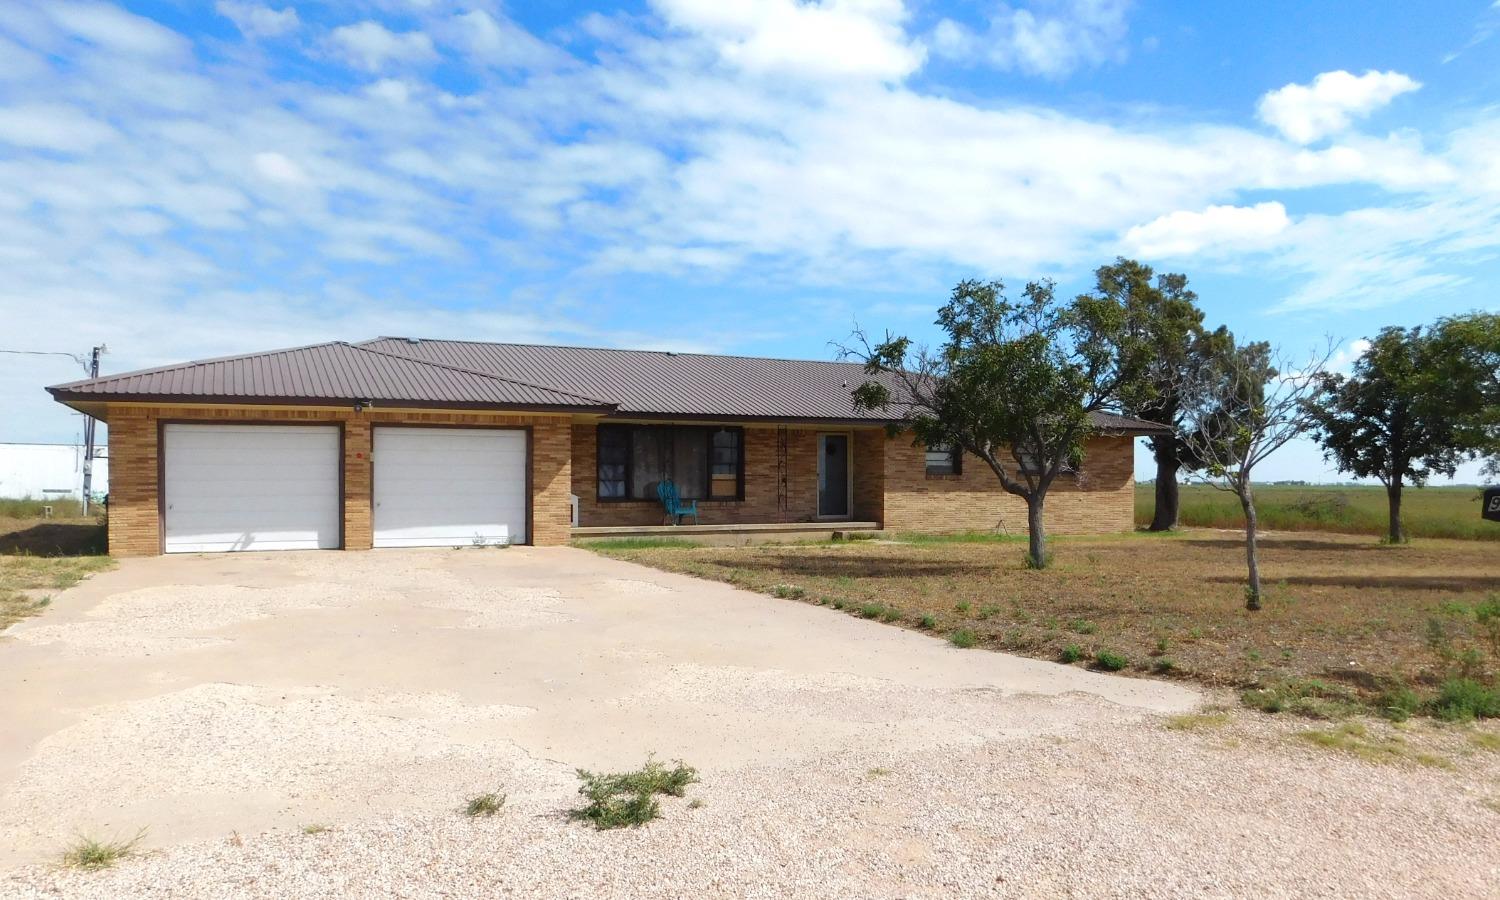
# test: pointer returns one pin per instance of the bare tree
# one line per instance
(1240, 405)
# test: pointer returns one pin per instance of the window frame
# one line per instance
(955, 461)
(628, 431)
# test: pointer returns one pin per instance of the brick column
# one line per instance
(551, 481)
(134, 516)
(358, 524)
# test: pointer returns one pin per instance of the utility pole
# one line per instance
(88, 437)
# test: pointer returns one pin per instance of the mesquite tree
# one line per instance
(1240, 405)
(1165, 316)
(1015, 384)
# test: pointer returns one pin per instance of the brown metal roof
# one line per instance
(334, 372)
(624, 383)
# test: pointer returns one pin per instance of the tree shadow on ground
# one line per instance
(849, 565)
(1452, 583)
(1278, 543)
(56, 539)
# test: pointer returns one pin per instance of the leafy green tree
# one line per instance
(1399, 416)
(1164, 316)
(1015, 384)
(1464, 378)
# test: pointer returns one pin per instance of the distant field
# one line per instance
(1432, 512)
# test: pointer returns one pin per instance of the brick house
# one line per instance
(401, 442)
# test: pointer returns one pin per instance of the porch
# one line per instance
(734, 534)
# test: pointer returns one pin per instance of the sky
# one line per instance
(182, 180)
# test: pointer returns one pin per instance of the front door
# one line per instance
(833, 476)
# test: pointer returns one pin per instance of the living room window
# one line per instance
(705, 463)
(944, 459)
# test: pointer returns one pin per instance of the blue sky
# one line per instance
(188, 179)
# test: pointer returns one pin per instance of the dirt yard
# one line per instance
(1344, 608)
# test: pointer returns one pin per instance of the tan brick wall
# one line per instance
(134, 518)
(1100, 499)
(761, 476)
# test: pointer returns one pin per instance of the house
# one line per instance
(398, 442)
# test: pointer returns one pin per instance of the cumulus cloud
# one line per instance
(255, 20)
(823, 37)
(1218, 228)
(1329, 105)
(1050, 37)
(371, 46)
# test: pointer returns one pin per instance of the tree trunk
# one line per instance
(1164, 518)
(1252, 561)
(1037, 533)
(1397, 534)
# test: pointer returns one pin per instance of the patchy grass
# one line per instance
(646, 543)
(1430, 512)
(314, 828)
(484, 805)
(1385, 747)
(93, 854)
(1199, 721)
(1110, 661)
(25, 579)
(628, 799)
(963, 638)
(1342, 611)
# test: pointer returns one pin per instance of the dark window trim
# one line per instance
(628, 430)
(956, 455)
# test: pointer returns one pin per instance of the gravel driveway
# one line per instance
(225, 702)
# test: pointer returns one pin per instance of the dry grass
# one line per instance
(40, 556)
(1344, 609)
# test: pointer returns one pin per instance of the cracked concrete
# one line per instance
(202, 695)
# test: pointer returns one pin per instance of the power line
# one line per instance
(75, 357)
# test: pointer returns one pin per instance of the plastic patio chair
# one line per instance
(674, 506)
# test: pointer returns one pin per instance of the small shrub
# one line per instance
(961, 607)
(989, 610)
(1110, 661)
(963, 638)
(1163, 665)
(484, 805)
(927, 622)
(1070, 654)
(627, 799)
(1304, 697)
(789, 592)
(871, 610)
(91, 854)
(1464, 699)
(1082, 626)
(890, 614)
(1398, 703)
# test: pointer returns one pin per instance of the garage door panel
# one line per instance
(444, 487)
(262, 487)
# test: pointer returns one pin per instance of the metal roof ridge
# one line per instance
(489, 375)
(173, 367)
(786, 359)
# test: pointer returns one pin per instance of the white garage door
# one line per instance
(251, 487)
(449, 487)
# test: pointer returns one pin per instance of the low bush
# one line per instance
(927, 622)
(1070, 654)
(1464, 699)
(627, 799)
(1110, 661)
(963, 638)
(90, 853)
(1304, 697)
(871, 610)
(789, 592)
(1398, 703)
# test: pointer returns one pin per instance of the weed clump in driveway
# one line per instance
(91, 854)
(627, 799)
(484, 805)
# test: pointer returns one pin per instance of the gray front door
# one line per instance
(833, 475)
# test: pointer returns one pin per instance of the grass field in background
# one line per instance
(1431, 512)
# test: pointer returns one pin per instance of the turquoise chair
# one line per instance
(675, 506)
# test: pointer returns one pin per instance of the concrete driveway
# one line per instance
(201, 695)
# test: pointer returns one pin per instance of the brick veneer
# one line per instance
(134, 523)
(1100, 499)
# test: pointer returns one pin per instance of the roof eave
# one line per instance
(70, 398)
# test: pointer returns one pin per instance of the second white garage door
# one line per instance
(449, 487)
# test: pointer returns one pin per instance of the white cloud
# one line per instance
(1329, 105)
(48, 126)
(278, 168)
(862, 38)
(112, 28)
(499, 42)
(371, 46)
(255, 20)
(1050, 37)
(1217, 228)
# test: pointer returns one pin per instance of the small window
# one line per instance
(944, 459)
(1030, 466)
(614, 458)
(725, 458)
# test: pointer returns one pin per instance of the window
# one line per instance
(704, 463)
(944, 459)
(1029, 465)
